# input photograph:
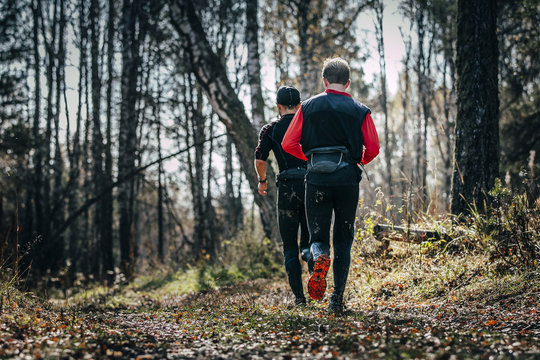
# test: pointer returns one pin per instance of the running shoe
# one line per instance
(317, 281)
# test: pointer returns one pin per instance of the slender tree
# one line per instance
(379, 34)
(74, 193)
(127, 142)
(38, 147)
(57, 210)
(405, 98)
(97, 136)
(107, 204)
(253, 63)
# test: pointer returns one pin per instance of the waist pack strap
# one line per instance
(328, 159)
(292, 174)
(328, 150)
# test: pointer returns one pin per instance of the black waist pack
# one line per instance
(291, 174)
(324, 160)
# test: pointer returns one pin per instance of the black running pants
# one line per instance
(291, 217)
(321, 201)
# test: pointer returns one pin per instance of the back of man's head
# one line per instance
(336, 71)
(288, 96)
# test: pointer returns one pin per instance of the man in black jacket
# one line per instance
(334, 133)
(290, 181)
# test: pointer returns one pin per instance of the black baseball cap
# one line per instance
(288, 95)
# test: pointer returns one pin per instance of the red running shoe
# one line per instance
(317, 281)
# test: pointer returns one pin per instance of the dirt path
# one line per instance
(254, 320)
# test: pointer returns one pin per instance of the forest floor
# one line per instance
(398, 306)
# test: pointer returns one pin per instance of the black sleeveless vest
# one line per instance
(331, 119)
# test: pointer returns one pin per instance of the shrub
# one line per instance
(511, 228)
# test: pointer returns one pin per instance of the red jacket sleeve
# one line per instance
(371, 140)
(291, 140)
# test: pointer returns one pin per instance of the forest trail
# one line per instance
(255, 320)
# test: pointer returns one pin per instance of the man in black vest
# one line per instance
(335, 134)
(290, 182)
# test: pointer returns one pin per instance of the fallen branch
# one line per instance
(406, 234)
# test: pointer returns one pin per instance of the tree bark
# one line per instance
(379, 33)
(160, 192)
(476, 162)
(405, 96)
(303, 27)
(127, 142)
(211, 75)
(57, 212)
(420, 159)
(253, 64)
(51, 61)
(74, 193)
(97, 137)
(38, 147)
(107, 205)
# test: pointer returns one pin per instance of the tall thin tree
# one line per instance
(127, 142)
(254, 64)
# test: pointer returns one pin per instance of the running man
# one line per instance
(290, 184)
(334, 133)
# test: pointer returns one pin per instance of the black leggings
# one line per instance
(291, 215)
(320, 202)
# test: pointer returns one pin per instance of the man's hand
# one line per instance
(262, 188)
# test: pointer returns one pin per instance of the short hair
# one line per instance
(289, 96)
(336, 71)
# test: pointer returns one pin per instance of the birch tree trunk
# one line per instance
(405, 158)
(253, 64)
(421, 125)
(211, 76)
(379, 33)
(477, 124)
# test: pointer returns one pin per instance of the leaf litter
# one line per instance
(441, 313)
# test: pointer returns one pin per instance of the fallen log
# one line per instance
(406, 234)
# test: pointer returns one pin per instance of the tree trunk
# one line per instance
(97, 137)
(57, 212)
(379, 33)
(86, 253)
(405, 158)
(51, 60)
(157, 120)
(253, 64)
(211, 222)
(107, 204)
(420, 155)
(211, 75)
(38, 147)
(74, 193)
(46, 249)
(477, 124)
(303, 36)
(127, 142)
(161, 240)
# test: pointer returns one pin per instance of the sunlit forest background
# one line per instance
(127, 128)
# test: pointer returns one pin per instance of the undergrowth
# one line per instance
(487, 257)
